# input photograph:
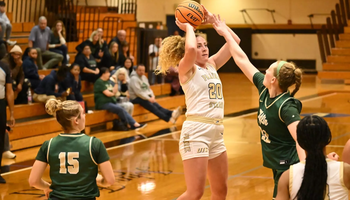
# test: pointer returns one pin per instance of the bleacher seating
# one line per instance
(34, 125)
(34, 132)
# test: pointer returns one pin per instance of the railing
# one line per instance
(329, 33)
(31, 10)
(122, 6)
(88, 21)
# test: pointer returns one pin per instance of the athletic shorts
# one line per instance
(200, 139)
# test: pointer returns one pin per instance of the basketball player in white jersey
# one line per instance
(201, 143)
(317, 177)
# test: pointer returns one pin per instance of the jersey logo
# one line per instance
(265, 136)
(262, 118)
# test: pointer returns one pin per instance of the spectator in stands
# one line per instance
(172, 77)
(141, 93)
(5, 92)
(128, 65)
(153, 52)
(73, 83)
(121, 78)
(97, 47)
(39, 38)
(100, 34)
(48, 87)
(110, 58)
(105, 99)
(5, 25)
(125, 53)
(30, 68)
(119, 39)
(103, 43)
(58, 41)
(88, 65)
(20, 88)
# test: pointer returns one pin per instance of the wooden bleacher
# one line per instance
(35, 132)
(34, 126)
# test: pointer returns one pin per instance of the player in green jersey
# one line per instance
(73, 157)
(279, 111)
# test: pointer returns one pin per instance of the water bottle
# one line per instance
(29, 93)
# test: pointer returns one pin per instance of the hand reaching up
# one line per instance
(220, 26)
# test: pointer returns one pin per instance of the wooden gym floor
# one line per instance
(151, 169)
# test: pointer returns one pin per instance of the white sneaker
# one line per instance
(11, 43)
(176, 113)
(8, 154)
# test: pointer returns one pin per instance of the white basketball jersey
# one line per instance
(203, 93)
(336, 189)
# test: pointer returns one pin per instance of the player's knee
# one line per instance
(196, 195)
(220, 192)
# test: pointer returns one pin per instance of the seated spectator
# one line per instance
(110, 58)
(20, 88)
(153, 52)
(105, 99)
(5, 25)
(172, 77)
(30, 68)
(39, 39)
(58, 41)
(128, 65)
(121, 78)
(103, 43)
(97, 47)
(119, 39)
(88, 65)
(125, 53)
(73, 83)
(141, 93)
(48, 87)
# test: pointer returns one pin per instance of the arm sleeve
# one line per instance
(32, 34)
(290, 111)
(151, 50)
(258, 80)
(99, 151)
(42, 153)
(29, 70)
(48, 88)
(137, 89)
(99, 87)
(6, 18)
(7, 70)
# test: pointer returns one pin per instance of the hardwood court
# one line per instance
(151, 169)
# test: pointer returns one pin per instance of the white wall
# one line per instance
(296, 10)
(286, 46)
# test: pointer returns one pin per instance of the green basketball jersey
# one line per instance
(274, 115)
(73, 160)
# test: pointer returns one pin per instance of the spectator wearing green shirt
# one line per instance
(105, 99)
(74, 157)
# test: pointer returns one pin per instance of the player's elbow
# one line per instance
(33, 181)
(110, 180)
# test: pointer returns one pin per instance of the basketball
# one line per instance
(190, 12)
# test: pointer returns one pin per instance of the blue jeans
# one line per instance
(154, 108)
(63, 51)
(117, 109)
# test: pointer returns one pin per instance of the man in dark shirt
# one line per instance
(5, 91)
(48, 87)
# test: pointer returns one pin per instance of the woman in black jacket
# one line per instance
(110, 58)
(96, 45)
